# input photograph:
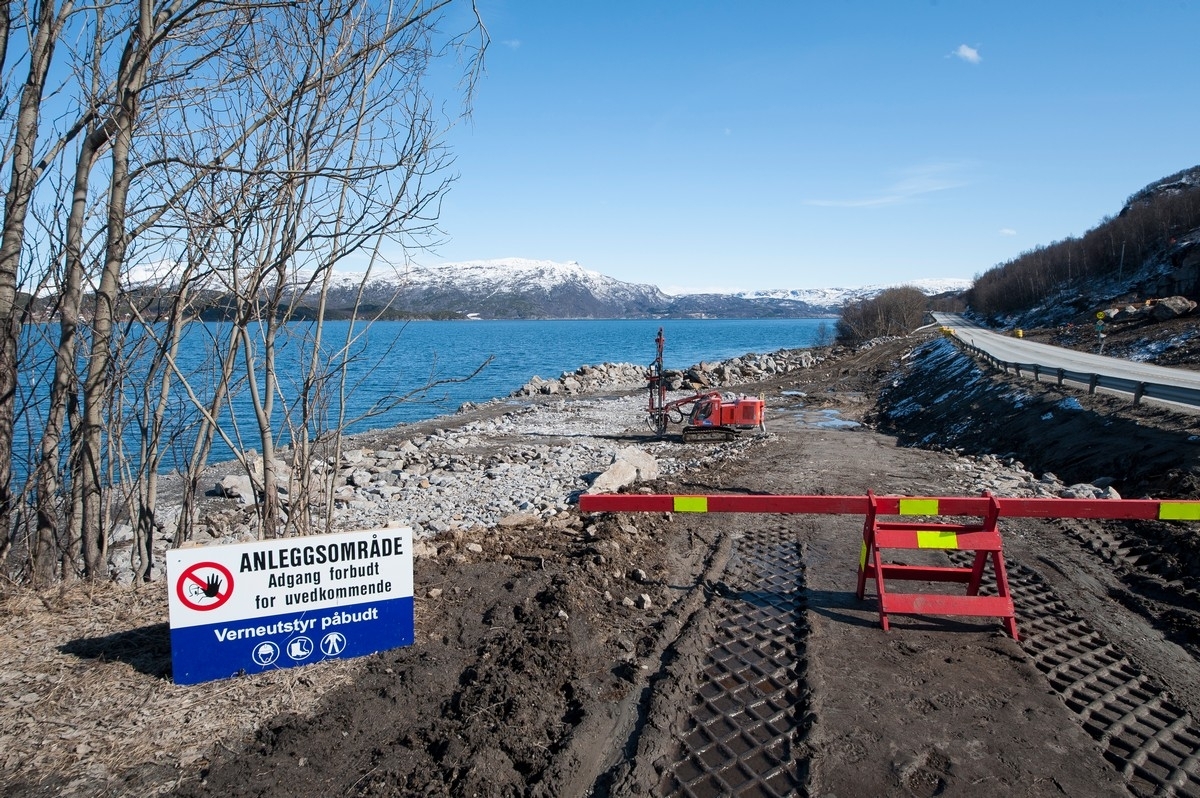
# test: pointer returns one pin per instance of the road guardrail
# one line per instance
(1138, 389)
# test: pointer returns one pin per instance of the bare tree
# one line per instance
(256, 160)
(153, 28)
(894, 311)
(43, 27)
(356, 162)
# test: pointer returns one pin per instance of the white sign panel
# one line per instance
(281, 603)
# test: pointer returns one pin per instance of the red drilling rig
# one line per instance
(707, 416)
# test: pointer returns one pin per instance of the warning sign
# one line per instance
(278, 604)
(204, 586)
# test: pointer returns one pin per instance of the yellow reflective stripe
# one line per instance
(691, 504)
(918, 507)
(937, 539)
(862, 557)
(1179, 511)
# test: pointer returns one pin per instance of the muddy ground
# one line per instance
(656, 654)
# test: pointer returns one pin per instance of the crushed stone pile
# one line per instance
(623, 376)
(526, 465)
(1007, 477)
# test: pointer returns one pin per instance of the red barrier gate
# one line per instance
(982, 538)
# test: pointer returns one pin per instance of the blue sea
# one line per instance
(393, 359)
(521, 350)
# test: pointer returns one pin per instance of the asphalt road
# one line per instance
(1180, 386)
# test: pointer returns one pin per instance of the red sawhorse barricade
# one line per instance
(982, 538)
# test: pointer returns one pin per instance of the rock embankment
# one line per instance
(1157, 310)
(1008, 477)
(523, 466)
(526, 465)
(625, 376)
(942, 398)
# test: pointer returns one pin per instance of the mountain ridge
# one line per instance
(526, 288)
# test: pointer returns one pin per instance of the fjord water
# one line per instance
(393, 359)
(521, 350)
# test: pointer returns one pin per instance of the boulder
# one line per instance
(615, 477)
(236, 486)
(643, 461)
(629, 465)
(1172, 307)
(1085, 490)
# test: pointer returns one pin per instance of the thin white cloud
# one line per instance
(909, 184)
(512, 44)
(1007, 231)
(967, 53)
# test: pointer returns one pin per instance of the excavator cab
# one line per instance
(705, 410)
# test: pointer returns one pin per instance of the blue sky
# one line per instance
(758, 145)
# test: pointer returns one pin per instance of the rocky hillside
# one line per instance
(1149, 250)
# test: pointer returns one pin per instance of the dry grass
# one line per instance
(86, 696)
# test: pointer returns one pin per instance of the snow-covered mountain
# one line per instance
(503, 288)
(526, 276)
(521, 288)
(837, 297)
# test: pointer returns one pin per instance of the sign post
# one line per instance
(251, 607)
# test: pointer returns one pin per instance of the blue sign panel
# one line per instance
(278, 604)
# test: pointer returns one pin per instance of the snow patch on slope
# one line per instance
(829, 297)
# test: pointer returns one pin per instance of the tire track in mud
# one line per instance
(1158, 566)
(747, 707)
(1152, 741)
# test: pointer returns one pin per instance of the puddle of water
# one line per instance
(823, 419)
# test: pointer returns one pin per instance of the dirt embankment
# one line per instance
(947, 400)
(686, 654)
